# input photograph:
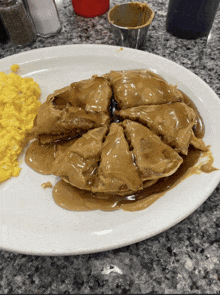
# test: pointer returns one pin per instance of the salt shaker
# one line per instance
(17, 22)
(45, 17)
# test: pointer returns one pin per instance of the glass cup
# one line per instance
(130, 23)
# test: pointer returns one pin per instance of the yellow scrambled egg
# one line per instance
(14, 67)
(18, 107)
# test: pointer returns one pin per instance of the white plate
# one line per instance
(30, 221)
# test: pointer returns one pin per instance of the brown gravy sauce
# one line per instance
(40, 158)
(199, 127)
(207, 167)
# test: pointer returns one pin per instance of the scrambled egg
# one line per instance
(15, 67)
(18, 107)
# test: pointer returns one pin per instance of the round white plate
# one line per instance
(30, 221)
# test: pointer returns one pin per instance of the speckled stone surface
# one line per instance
(184, 259)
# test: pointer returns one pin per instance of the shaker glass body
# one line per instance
(3, 33)
(17, 22)
(45, 17)
(191, 19)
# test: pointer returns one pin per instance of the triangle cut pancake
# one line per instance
(153, 158)
(117, 172)
(173, 122)
(141, 87)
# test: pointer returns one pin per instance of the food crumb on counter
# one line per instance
(46, 185)
(14, 67)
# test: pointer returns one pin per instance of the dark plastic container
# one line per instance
(191, 19)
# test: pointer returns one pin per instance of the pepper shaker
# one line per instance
(45, 17)
(17, 22)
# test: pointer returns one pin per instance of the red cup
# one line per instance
(90, 8)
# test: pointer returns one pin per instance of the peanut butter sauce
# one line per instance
(153, 143)
(134, 15)
(72, 198)
(41, 157)
(207, 167)
(199, 128)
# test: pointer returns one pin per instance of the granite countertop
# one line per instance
(183, 259)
